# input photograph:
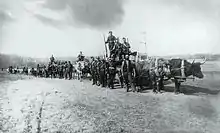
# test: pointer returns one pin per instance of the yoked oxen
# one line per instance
(144, 76)
(181, 69)
(150, 73)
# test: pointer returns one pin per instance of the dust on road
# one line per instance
(73, 106)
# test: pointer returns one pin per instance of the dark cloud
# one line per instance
(99, 14)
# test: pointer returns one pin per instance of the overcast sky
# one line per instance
(39, 28)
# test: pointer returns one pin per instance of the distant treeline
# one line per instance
(13, 60)
(209, 57)
(19, 61)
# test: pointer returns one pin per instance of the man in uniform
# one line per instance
(127, 71)
(119, 49)
(81, 56)
(80, 72)
(60, 69)
(126, 46)
(32, 71)
(70, 70)
(111, 73)
(98, 66)
(153, 79)
(65, 70)
(111, 43)
(45, 74)
(103, 77)
(38, 70)
(26, 70)
(93, 71)
(160, 77)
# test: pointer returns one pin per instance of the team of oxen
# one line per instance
(149, 73)
(176, 70)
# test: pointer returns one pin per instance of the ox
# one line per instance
(181, 69)
(144, 75)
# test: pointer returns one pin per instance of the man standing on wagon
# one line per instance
(111, 43)
(126, 46)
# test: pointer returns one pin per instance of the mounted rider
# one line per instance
(111, 43)
(52, 59)
(81, 56)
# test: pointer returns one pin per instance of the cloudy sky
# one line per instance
(39, 28)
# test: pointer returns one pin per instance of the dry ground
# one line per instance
(73, 106)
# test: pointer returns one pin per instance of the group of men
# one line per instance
(104, 70)
(60, 69)
(116, 48)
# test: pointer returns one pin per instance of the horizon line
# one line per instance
(25, 56)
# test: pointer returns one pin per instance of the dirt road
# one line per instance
(73, 106)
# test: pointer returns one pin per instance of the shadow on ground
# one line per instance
(193, 90)
(188, 89)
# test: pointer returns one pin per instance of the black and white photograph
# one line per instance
(109, 66)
